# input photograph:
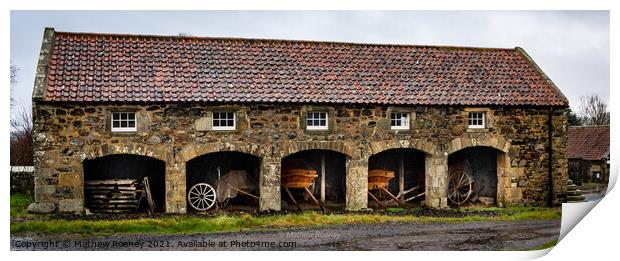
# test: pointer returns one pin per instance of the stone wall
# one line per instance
(22, 182)
(67, 134)
(583, 170)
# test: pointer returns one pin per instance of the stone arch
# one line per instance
(421, 145)
(337, 146)
(503, 170)
(194, 150)
(143, 161)
(131, 149)
(421, 152)
(492, 141)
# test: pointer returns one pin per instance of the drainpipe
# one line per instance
(550, 174)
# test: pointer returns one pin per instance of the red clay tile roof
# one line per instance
(86, 67)
(588, 142)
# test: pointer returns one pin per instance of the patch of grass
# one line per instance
(592, 186)
(395, 210)
(523, 212)
(549, 244)
(244, 222)
(19, 204)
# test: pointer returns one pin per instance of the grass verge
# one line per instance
(593, 186)
(19, 205)
(183, 224)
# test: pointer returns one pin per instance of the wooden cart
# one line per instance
(296, 174)
(203, 196)
(378, 180)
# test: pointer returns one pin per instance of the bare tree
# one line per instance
(14, 70)
(593, 110)
(22, 147)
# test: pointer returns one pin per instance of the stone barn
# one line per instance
(185, 110)
(588, 154)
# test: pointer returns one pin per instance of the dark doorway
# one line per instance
(330, 169)
(480, 163)
(408, 166)
(234, 170)
(127, 166)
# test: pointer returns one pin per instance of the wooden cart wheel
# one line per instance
(201, 196)
(459, 187)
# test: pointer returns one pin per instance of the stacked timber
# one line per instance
(112, 195)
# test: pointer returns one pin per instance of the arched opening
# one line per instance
(115, 183)
(314, 175)
(233, 177)
(396, 173)
(476, 170)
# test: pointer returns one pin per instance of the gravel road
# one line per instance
(497, 235)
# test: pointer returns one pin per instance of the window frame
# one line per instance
(224, 128)
(120, 119)
(476, 126)
(319, 127)
(405, 122)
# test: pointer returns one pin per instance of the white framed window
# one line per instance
(316, 120)
(224, 120)
(476, 120)
(399, 120)
(123, 121)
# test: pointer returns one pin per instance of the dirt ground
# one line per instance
(496, 235)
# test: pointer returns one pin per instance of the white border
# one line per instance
(406, 124)
(476, 126)
(326, 127)
(124, 129)
(224, 128)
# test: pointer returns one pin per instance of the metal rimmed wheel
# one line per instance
(459, 187)
(201, 196)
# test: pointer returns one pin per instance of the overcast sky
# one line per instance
(572, 47)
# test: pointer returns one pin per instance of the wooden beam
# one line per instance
(322, 177)
(401, 174)
(288, 192)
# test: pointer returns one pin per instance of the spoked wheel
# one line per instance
(459, 187)
(201, 196)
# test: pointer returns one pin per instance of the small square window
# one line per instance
(123, 121)
(399, 121)
(224, 121)
(316, 120)
(476, 120)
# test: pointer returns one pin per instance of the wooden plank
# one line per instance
(111, 196)
(132, 201)
(110, 188)
(149, 198)
(111, 192)
(291, 197)
(314, 199)
(322, 177)
(392, 196)
(375, 199)
(243, 192)
(401, 175)
(414, 197)
(111, 206)
(112, 182)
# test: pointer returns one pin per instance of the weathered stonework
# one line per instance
(67, 134)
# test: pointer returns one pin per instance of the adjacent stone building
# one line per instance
(186, 109)
(588, 154)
